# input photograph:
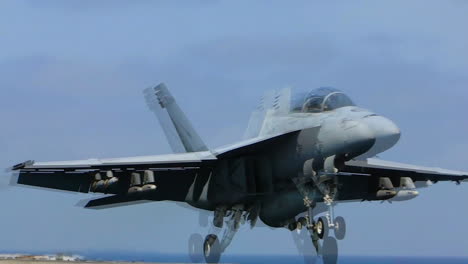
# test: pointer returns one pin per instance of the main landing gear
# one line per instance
(322, 183)
(217, 241)
(208, 250)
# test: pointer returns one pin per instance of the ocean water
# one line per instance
(272, 259)
(133, 256)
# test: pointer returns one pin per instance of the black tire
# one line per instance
(292, 226)
(195, 248)
(299, 226)
(330, 251)
(212, 249)
(303, 221)
(322, 227)
(340, 228)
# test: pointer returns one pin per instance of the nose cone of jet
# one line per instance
(386, 134)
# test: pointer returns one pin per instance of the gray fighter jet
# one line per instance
(303, 153)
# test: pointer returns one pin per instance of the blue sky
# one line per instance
(71, 76)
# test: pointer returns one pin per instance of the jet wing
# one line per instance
(382, 168)
(158, 161)
(175, 174)
(79, 175)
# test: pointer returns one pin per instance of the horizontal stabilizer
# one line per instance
(113, 201)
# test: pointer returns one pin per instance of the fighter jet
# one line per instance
(303, 153)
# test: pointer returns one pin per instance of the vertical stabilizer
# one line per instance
(273, 103)
(180, 133)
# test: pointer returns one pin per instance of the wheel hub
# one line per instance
(207, 250)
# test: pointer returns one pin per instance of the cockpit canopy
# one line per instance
(320, 100)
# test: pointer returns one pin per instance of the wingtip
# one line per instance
(22, 165)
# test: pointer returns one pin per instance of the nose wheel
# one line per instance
(340, 228)
(323, 226)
